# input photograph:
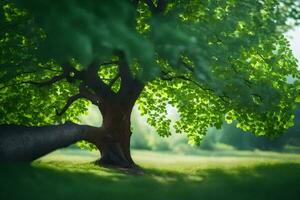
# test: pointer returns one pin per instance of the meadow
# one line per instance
(71, 174)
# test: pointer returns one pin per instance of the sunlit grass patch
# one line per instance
(69, 174)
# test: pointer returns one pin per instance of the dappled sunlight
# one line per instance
(191, 177)
(205, 159)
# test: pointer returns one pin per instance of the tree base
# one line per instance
(133, 169)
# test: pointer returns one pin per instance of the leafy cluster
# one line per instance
(236, 53)
(22, 102)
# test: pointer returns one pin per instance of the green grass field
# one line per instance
(70, 174)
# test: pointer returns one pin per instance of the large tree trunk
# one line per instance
(21, 143)
(114, 146)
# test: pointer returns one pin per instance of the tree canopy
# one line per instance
(212, 60)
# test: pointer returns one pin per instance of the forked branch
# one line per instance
(83, 93)
(71, 100)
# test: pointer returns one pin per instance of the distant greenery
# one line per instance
(232, 177)
(228, 137)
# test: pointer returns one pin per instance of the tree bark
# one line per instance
(21, 143)
(114, 145)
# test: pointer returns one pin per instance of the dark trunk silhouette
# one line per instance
(21, 143)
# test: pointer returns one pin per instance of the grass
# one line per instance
(69, 174)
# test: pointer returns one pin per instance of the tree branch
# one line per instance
(112, 82)
(123, 68)
(91, 79)
(65, 74)
(128, 82)
(84, 91)
(38, 84)
(182, 77)
(69, 103)
(48, 82)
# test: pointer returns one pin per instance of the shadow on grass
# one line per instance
(277, 181)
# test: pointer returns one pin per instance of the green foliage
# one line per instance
(89, 31)
(23, 103)
(239, 59)
(211, 60)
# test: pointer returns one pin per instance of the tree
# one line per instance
(209, 59)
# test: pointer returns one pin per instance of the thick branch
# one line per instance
(84, 91)
(129, 85)
(124, 69)
(91, 80)
(21, 143)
